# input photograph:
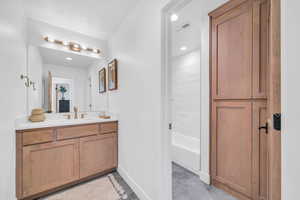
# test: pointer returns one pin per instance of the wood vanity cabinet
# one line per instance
(50, 159)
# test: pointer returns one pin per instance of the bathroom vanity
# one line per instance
(52, 156)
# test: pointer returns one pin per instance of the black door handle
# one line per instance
(266, 127)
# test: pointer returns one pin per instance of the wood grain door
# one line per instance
(239, 96)
(97, 154)
(47, 166)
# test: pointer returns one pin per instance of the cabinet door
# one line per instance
(97, 154)
(232, 146)
(232, 53)
(47, 166)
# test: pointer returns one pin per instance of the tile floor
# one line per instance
(129, 191)
(188, 186)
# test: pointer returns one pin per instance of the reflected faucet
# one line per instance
(76, 112)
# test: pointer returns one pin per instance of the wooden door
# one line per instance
(97, 154)
(239, 96)
(46, 166)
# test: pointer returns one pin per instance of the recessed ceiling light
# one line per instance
(69, 58)
(174, 17)
(184, 48)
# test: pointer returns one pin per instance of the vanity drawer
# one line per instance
(77, 131)
(108, 127)
(37, 137)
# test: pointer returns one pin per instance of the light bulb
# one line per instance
(174, 17)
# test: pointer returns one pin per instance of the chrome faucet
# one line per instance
(76, 112)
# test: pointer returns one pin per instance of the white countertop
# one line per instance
(57, 120)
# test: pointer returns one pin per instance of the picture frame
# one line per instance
(102, 80)
(113, 75)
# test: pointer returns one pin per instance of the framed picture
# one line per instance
(102, 80)
(113, 75)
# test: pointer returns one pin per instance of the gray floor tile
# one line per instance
(188, 186)
(125, 186)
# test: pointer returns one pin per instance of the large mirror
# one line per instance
(62, 78)
(67, 80)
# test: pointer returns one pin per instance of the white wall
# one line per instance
(80, 82)
(186, 94)
(13, 92)
(99, 100)
(35, 71)
(205, 111)
(137, 46)
(290, 100)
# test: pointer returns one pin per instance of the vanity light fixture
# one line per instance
(65, 43)
(183, 48)
(174, 17)
(73, 46)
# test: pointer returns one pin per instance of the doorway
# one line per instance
(188, 102)
(256, 106)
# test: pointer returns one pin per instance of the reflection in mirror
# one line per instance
(67, 80)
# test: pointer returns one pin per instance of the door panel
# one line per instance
(260, 150)
(97, 154)
(232, 54)
(47, 166)
(260, 48)
(239, 88)
(232, 145)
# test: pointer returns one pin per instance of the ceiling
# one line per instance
(57, 57)
(189, 37)
(193, 14)
(94, 18)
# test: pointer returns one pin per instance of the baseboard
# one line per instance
(205, 177)
(134, 186)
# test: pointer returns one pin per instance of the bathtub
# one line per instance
(186, 151)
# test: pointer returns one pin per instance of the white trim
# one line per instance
(166, 186)
(205, 177)
(135, 187)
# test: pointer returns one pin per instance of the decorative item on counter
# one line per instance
(37, 115)
(102, 115)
